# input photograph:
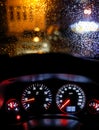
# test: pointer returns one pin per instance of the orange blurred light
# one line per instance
(37, 29)
(31, 15)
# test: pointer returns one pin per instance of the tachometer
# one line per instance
(70, 98)
(36, 98)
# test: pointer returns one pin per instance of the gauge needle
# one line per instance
(65, 103)
(96, 100)
(29, 100)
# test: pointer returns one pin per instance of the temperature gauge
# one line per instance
(93, 106)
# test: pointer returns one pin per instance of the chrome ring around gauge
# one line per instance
(36, 98)
(70, 98)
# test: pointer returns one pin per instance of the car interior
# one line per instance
(49, 64)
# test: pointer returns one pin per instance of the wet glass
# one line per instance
(44, 26)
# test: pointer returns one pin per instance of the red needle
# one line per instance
(29, 100)
(65, 103)
(96, 100)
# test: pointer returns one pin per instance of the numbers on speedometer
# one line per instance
(36, 98)
(70, 98)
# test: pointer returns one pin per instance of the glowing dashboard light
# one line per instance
(85, 27)
(1, 100)
(18, 117)
(87, 11)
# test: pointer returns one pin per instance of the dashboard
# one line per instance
(57, 96)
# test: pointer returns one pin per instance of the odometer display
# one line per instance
(70, 98)
(36, 98)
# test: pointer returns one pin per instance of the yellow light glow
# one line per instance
(37, 29)
(45, 45)
(36, 39)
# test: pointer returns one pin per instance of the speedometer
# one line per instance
(36, 98)
(70, 98)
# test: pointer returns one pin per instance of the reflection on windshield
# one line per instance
(44, 26)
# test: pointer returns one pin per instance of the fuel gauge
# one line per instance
(12, 105)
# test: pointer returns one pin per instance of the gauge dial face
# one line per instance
(70, 98)
(36, 98)
(93, 106)
(12, 105)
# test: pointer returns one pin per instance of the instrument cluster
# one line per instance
(33, 96)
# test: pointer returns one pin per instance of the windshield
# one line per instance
(44, 26)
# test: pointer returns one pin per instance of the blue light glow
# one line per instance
(70, 108)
